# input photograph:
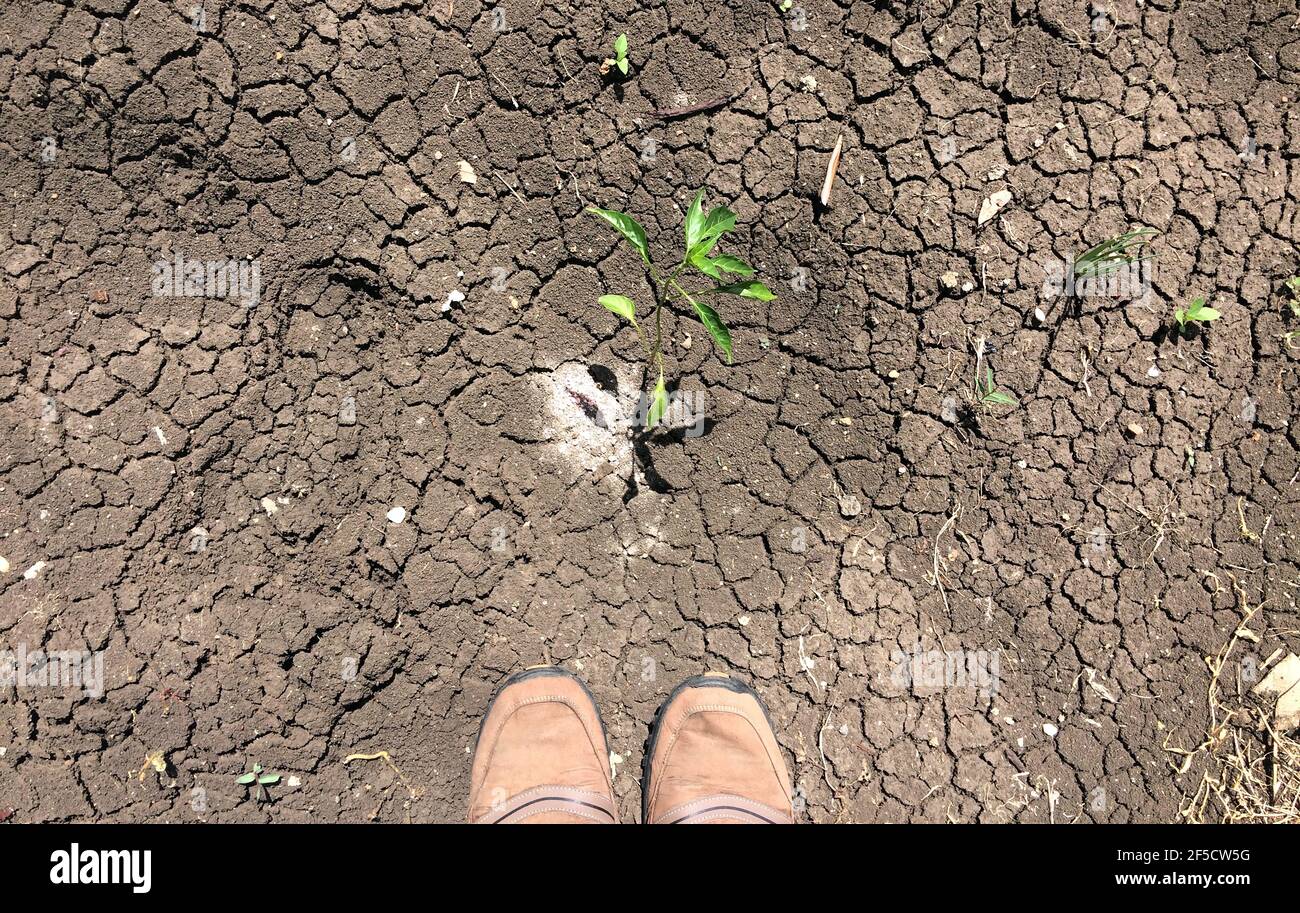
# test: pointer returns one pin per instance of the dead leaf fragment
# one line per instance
(155, 759)
(1283, 682)
(467, 174)
(831, 167)
(993, 204)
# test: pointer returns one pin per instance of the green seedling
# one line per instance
(1293, 286)
(257, 779)
(988, 393)
(1110, 255)
(1196, 312)
(620, 56)
(730, 275)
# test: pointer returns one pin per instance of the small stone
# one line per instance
(4, 565)
(894, 375)
(294, 782)
(950, 280)
(850, 506)
(1051, 730)
(397, 515)
(1040, 315)
(31, 572)
(1135, 429)
(1153, 371)
(269, 506)
(455, 296)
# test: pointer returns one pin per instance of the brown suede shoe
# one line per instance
(713, 759)
(541, 755)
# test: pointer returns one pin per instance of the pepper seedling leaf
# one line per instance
(620, 305)
(733, 265)
(694, 225)
(713, 323)
(628, 227)
(658, 405)
(755, 290)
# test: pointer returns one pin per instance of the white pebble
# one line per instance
(1051, 730)
(455, 296)
(31, 572)
(397, 515)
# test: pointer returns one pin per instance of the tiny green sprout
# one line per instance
(257, 778)
(989, 394)
(1292, 339)
(1293, 286)
(730, 276)
(1196, 312)
(620, 56)
(786, 4)
(1114, 253)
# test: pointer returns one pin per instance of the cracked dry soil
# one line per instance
(208, 483)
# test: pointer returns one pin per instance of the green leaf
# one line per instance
(717, 223)
(246, 779)
(694, 226)
(622, 65)
(620, 50)
(707, 266)
(620, 305)
(628, 227)
(658, 405)
(713, 323)
(733, 265)
(998, 398)
(269, 779)
(756, 290)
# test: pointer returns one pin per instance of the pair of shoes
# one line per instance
(541, 757)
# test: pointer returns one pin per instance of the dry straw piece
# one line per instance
(1250, 768)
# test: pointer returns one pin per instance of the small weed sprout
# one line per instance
(1194, 313)
(619, 59)
(702, 232)
(988, 393)
(983, 393)
(1293, 287)
(1114, 253)
(257, 778)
